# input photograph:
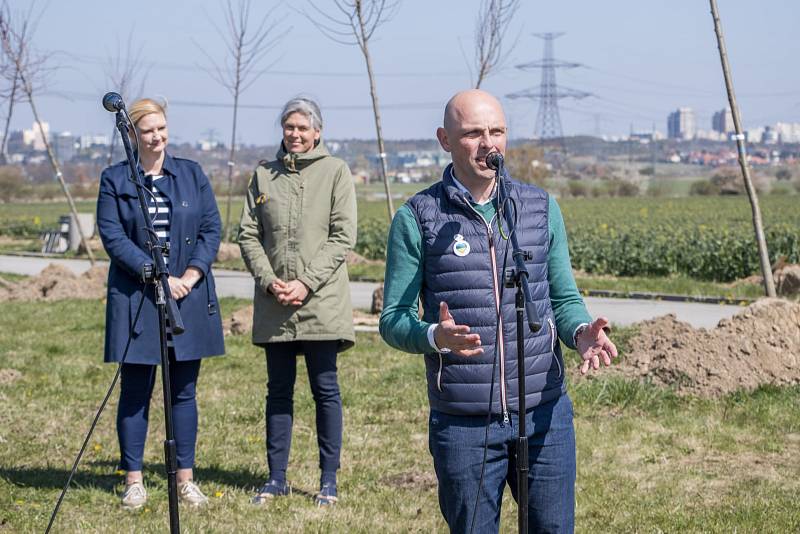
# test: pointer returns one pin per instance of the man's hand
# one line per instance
(593, 345)
(449, 335)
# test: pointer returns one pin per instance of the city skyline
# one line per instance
(637, 76)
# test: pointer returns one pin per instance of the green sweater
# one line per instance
(400, 325)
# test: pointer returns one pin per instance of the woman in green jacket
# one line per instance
(298, 222)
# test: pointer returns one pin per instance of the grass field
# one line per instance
(648, 461)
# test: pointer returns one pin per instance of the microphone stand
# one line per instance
(167, 308)
(517, 276)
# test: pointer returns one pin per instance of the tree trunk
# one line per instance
(763, 253)
(60, 176)
(481, 76)
(376, 111)
(4, 146)
(231, 165)
(111, 146)
(232, 155)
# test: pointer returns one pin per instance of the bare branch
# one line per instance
(126, 70)
(246, 46)
(354, 24)
(491, 25)
(16, 36)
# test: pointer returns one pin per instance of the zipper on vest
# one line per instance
(439, 374)
(553, 341)
(498, 308)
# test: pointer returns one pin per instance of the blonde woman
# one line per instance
(185, 215)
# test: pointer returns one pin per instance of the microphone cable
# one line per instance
(124, 354)
(96, 418)
(498, 317)
(119, 367)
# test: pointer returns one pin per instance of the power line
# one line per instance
(88, 97)
(342, 74)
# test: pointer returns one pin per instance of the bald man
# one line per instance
(446, 246)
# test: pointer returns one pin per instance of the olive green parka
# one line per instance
(298, 223)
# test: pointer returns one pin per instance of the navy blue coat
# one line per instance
(194, 239)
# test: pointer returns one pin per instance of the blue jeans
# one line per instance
(136, 388)
(456, 444)
(281, 375)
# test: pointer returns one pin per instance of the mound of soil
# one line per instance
(786, 277)
(56, 282)
(377, 300)
(759, 345)
(787, 281)
(354, 258)
(240, 322)
(228, 251)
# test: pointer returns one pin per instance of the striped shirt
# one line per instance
(159, 207)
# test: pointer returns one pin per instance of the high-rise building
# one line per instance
(681, 124)
(788, 132)
(64, 146)
(722, 121)
(36, 136)
(90, 140)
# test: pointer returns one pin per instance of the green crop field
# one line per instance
(706, 238)
(699, 238)
(703, 238)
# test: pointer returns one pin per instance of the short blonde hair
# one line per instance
(146, 106)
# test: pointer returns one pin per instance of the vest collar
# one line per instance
(456, 192)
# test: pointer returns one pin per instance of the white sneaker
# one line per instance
(134, 496)
(189, 493)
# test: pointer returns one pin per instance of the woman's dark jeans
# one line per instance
(136, 388)
(281, 374)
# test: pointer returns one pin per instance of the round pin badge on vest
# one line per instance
(461, 247)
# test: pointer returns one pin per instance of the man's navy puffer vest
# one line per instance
(460, 385)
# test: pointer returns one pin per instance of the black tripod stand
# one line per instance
(156, 274)
(517, 277)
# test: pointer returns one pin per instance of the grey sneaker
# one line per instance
(134, 496)
(190, 494)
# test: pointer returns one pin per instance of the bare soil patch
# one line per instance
(7, 376)
(412, 480)
(757, 346)
(228, 251)
(56, 282)
(354, 258)
(240, 322)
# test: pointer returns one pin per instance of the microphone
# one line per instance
(113, 102)
(494, 160)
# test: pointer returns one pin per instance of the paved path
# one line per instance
(240, 284)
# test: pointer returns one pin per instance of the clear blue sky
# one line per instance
(643, 59)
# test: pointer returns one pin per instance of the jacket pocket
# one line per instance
(136, 321)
